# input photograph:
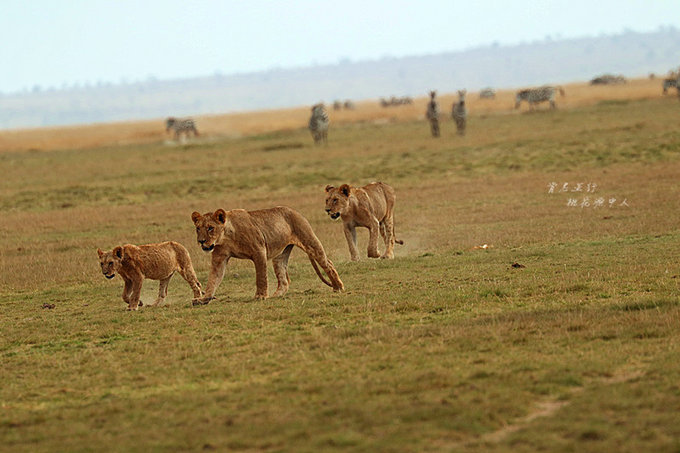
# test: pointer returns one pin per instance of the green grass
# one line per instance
(445, 348)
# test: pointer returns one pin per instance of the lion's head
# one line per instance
(209, 228)
(111, 261)
(337, 200)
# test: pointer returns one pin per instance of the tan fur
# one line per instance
(259, 236)
(152, 261)
(370, 206)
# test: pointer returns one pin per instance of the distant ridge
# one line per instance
(548, 61)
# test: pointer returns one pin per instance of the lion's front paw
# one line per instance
(260, 296)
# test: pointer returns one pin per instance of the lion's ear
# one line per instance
(99, 252)
(345, 189)
(220, 215)
(118, 251)
(329, 188)
(195, 216)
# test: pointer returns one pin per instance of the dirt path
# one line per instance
(548, 408)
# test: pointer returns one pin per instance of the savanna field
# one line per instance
(534, 305)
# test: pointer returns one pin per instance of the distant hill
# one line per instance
(548, 61)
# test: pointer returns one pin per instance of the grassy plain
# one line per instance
(446, 348)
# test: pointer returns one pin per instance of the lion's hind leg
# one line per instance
(281, 270)
(387, 231)
(189, 275)
(162, 291)
(383, 233)
(373, 231)
(332, 274)
(311, 245)
(316, 254)
(186, 270)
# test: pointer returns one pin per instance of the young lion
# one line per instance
(259, 236)
(372, 207)
(153, 261)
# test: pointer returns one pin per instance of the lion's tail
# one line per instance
(318, 272)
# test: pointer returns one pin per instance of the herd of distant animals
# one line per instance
(319, 120)
(347, 105)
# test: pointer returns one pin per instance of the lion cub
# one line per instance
(154, 261)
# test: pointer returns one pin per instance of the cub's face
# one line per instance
(209, 228)
(337, 200)
(110, 261)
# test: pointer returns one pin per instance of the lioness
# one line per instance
(260, 236)
(372, 207)
(153, 261)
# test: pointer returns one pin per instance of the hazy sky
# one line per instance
(55, 42)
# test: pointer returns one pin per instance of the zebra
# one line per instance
(433, 114)
(487, 93)
(349, 105)
(537, 95)
(318, 124)
(670, 83)
(459, 112)
(337, 105)
(181, 126)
